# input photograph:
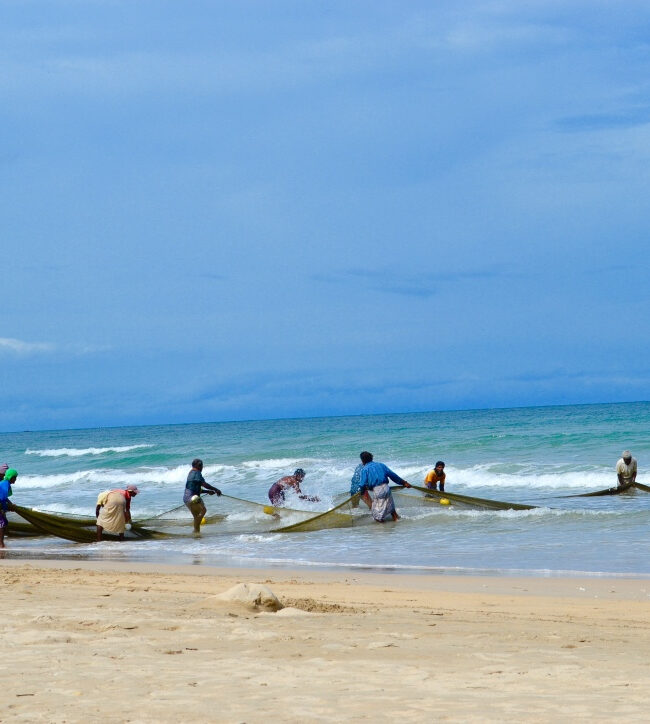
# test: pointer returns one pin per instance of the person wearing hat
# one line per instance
(113, 510)
(626, 469)
(8, 478)
(278, 490)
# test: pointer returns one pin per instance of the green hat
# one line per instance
(11, 473)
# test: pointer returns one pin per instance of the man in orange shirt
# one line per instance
(436, 477)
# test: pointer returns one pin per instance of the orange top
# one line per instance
(433, 477)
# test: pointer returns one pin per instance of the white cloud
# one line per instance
(21, 347)
(18, 346)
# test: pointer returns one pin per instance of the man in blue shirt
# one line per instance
(375, 477)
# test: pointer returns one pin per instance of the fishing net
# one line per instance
(18, 527)
(426, 497)
(616, 490)
(344, 515)
(352, 512)
(226, 514)
(59, 526)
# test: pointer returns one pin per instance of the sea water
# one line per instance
(536, 456)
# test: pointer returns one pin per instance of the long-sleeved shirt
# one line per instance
(374, 474)
(194, 481)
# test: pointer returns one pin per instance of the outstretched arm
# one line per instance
(210, 489)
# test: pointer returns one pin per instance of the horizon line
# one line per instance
(322, 417)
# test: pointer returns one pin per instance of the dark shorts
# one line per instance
(3, 519)
(276, 494)
(188, 495)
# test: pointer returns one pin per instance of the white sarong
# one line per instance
(383, 505)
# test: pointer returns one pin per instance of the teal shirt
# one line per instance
(194, 482)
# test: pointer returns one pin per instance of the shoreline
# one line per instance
(209, 561)
(141, 642)
(607, 587)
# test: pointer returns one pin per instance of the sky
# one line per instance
(262, 209)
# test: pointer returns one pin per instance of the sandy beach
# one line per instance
(144, 643)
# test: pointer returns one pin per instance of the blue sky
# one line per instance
(235, 210)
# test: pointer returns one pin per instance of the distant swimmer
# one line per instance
(626, 469)
(194, 486)
(7, 479)
(375, 477)
(355, 487)
(278, 490)
(436, 477)
(113, 510)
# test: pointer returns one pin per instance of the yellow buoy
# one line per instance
(203, 521)
(444, 501)
(269, 510)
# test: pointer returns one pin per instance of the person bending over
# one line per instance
(113, 510)
(278, 490)
(626, 469)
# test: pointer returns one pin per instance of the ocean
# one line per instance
(526, 455)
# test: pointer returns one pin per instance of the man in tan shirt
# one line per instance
(626, 469)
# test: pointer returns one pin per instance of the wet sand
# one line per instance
(149, 643)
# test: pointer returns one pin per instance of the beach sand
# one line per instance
(89, 641)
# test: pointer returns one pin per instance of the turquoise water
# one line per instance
(529, 455)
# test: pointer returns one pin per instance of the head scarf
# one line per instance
(10, 473)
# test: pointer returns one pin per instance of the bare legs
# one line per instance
(198, 511)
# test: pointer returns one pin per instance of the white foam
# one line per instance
(107, 477)
(278, 464)
(520, 476)
(78, 452)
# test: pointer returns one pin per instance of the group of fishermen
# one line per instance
(368, 476)
(370, 482)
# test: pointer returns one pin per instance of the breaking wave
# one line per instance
(74, 452)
